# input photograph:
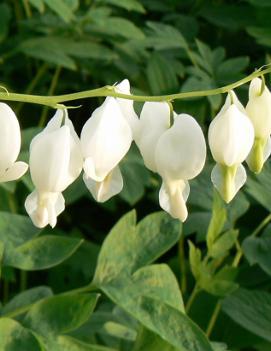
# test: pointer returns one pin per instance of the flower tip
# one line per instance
(124, 86)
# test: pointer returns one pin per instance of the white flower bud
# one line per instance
(259, 111)
(230, 137)
(154, 121)
(180, 155)
(55, 162)
(10, 144)
(105, 139)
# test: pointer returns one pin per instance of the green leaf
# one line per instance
(163, 37)
(218, 346)
(42, 252)
(219, 284)
(26, 298)
(223, 244)
(170, 324)
(161, 75)
(67, 343)
(118, 330)
(129, 247)
(250, 309)
(230, 69)
(153, 281)
(61, 9)
(38, 4)
(48, 50)
(257, 250)
(195, 260)
(149, 341)
(260, 3)
(135, 176)
(14, 337)
(5, 18)
(60, 314)
(259, 187)
(219, 216)
(117, 26)
(15, 229)
(130, 5)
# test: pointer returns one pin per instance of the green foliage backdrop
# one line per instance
(149, 283)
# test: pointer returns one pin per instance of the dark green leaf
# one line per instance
(257, 250)
(161, 75)
(250, 309)
(26, 298)
(5, 17)
(42, 252)
(61, 9)
(60, 314)
(130, 5)
(14, 337)
(129, 247)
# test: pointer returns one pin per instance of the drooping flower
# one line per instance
(10, 144)
(259, 111)
(177, 153)
(105, 139)
(127, 106)
(55, 162)
(230, 137)
(180, 156)
(154, 121)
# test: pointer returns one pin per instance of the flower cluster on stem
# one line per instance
(171, 144)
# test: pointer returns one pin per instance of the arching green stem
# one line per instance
(53, 101)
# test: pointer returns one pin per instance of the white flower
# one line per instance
(177, 153)
(55, 162)
(259, 111)
(127, 106)
(180, 156)
(105, 139)
(154, 121)
(230, 137)
(10, 144)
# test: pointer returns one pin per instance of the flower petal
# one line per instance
(105, 139)
(49, 160)
(127, 106)
(181, 150)
(16, 171)
(228, 180)
(172, 198)
(43, 208)
(10, 137)
(259, 109)
(104, 190)
(230, 136)
(154, 121)
(76, 157)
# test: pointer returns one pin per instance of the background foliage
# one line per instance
(217, 264)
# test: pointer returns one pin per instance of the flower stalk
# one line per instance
(54, 101)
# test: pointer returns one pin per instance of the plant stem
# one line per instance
(192, 297)
(27, 9)
(182, 264)
(259, 228)
(53, 101)
(213, 319)
(264, 222)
